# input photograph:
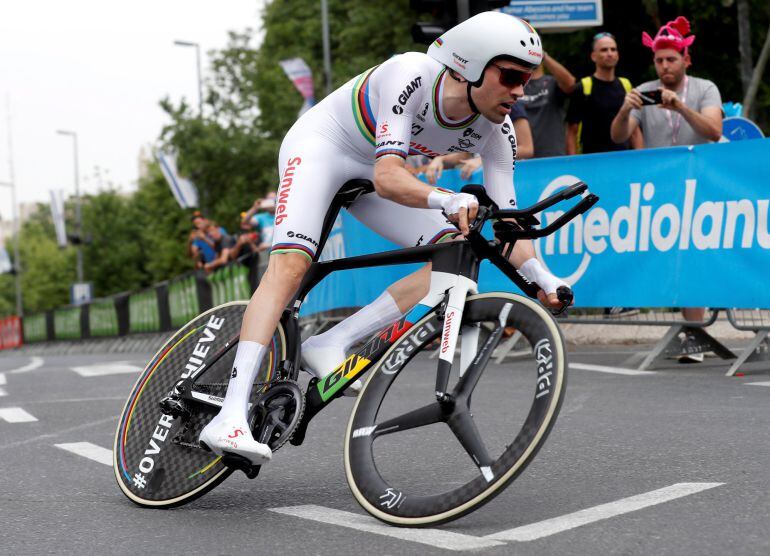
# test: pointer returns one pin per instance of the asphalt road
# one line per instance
(671, 462)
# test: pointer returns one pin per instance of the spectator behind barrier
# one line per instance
(596, 100)
(223, 244)
(544, 101)
(469, 164)
(199, 246)
(246, 240)
(261, 218)
(689, 111)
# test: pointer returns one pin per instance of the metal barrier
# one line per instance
(102, 318)
(751, 320)
(67, 323)
(672, 344)
(230, 283)
(35, 328)
(10, 332)
(143, 312)
(183, 299)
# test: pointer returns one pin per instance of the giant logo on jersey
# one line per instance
(408, 90)
(405, 94)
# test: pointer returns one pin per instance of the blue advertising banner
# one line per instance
(675, 227)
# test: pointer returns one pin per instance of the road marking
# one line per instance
(3, 393)
(611, 370)
(16, 415)
(57, 434)
(104, 369)
(3, 380)
(88, 450)
(757, 383)
(549, 527)
(433, 537)
(36, 363)
(78, 400)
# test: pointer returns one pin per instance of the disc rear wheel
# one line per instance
(156, 456)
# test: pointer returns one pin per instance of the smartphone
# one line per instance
(651, 97)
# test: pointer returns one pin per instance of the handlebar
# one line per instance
(515, 224)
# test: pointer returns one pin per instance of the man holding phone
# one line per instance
(675, 109)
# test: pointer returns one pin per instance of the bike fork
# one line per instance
(452, 289)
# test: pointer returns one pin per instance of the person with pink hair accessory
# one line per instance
(675, 109)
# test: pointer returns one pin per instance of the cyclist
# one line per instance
(455, 98)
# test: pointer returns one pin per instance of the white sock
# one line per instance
(365, 322)
(248, 358)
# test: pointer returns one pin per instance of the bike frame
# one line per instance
(454, 274)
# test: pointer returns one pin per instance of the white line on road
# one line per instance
(58, 433)
(432, 537)
(3, 392)
(3, 380)
(611, 370)
(103, 369)
(16, 415)
(757, 383)
(88, 450)
(549, 527)
(36, 363)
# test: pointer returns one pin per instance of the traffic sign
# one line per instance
(557, 14)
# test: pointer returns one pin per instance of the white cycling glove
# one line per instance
(450, 202)
(534, 272)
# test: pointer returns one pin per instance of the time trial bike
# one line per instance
(418, 451)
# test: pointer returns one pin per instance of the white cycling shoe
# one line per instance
(233, 436)
(321, 361)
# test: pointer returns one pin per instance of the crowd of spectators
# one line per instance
(558, 115)
(210, 246)
(602, 112)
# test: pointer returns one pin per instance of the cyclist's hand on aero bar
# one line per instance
(551, 287)
(459, 208)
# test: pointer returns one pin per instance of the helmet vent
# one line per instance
(523, 43)
(532, 41)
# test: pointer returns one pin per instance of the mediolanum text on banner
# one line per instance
(682, 226)
(675, 227)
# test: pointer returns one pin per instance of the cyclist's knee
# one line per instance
(287, 268)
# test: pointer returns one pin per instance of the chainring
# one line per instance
(277, 413)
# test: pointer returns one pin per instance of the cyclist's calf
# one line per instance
(279, 283)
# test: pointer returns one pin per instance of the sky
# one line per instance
(98, 68)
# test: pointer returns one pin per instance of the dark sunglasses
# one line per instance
(511, 78)
(598, 36)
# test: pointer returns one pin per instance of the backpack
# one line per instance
(587, 84)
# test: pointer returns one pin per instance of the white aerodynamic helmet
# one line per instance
(468, 47)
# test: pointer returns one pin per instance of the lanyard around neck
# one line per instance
(675, 122)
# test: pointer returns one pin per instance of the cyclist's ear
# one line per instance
(480, 193)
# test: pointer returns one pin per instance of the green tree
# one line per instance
(162, 229)
(113, 256)
(48, 270)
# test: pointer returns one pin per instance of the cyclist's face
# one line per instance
(494, 99)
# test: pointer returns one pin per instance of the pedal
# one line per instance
(234, 461)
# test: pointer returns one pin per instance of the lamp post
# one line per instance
(15, 213)
(198, 60)
(78, 216)
(326, 47)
